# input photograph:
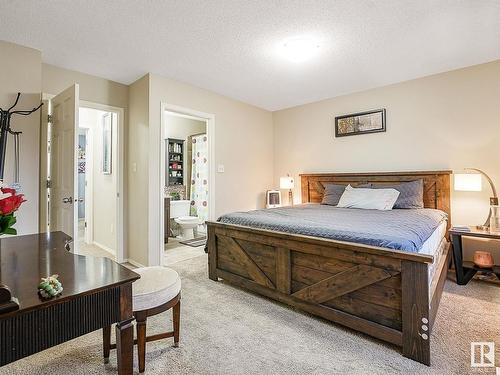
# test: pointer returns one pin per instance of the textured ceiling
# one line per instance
(232, 46)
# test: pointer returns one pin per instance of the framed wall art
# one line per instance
(360, 123)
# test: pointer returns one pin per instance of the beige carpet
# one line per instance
(225, 330)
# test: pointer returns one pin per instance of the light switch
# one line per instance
(220, 168)
(134, 167)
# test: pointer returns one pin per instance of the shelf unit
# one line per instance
(174, 157)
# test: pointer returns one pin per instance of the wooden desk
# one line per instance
(97, 293)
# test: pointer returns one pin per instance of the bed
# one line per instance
(386, 287)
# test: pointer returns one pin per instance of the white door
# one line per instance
(63, 176)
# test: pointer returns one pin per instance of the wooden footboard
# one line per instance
(379, 292)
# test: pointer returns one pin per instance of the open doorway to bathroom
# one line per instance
(187, 188)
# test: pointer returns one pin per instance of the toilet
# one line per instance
(179, 211)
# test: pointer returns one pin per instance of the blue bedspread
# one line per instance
(401, 229)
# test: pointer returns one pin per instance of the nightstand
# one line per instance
(466, 270)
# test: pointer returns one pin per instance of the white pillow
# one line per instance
(368, 199)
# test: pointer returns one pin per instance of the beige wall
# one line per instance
(20, 71)
(450, 120)
(138, 172)
(180, 127)
(445, 121)
(104, 186)
(92, 88)
(243, 141)
(96, 90)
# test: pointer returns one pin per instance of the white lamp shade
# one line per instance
(468, 182)
(286, 182)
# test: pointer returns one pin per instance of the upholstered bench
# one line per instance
(158, 290)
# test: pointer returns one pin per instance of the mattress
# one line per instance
(399, 229)
(435, 246)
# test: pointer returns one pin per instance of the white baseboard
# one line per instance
(133, 262)
(105, 248)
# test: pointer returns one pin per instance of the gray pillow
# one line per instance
(333, 192)
(411, 194)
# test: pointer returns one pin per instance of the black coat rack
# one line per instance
(5, 116)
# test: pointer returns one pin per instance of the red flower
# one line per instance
(10, 204)
(8, 191)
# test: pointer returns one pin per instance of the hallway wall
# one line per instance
(104, 186)
(20, 71)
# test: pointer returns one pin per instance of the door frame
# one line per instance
(43, 220)
(89, 186)
(159, 191)
(120, 135)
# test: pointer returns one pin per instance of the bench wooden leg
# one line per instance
(176, 313)
(141, 340)
(106, 343)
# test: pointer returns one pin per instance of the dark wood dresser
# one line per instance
(97, 293)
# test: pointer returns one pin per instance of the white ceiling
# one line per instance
(231, 46)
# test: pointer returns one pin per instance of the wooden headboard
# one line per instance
(436, 185)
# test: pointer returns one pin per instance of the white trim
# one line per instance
(120, 221)
(43, 220)
(134, 263)
(183, 115)
(157, 169)
(89, 186)
(76, 249)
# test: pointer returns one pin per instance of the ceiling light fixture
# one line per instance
(300, 49)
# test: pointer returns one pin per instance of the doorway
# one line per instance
(97, 184)
(82, 147)
(187, 181)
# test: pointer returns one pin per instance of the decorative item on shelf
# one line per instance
(483, 259)
(472, 182)
(175, 196)
(175, 174)
(50, 286)
(273, 198)
(288, 183)
(10, 202)
(7, 302)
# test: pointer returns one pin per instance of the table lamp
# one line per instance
(472, 182)
(287, 183)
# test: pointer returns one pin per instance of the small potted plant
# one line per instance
(10, 202)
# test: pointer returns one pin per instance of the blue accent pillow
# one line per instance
(411, 194)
